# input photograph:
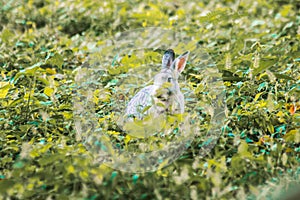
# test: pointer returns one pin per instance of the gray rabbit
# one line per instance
(164, 96)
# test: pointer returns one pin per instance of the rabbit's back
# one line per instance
(139, 102)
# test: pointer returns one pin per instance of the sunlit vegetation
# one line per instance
(255, 46)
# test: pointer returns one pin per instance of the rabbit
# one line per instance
(164, 96)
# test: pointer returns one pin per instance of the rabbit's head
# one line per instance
(167, 78)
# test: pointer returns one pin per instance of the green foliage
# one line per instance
(255, 46)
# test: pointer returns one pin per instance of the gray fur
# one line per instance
(164, 95)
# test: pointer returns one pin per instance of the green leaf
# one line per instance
(29, 71)
(243, 150)
(292, 136)
(257, 96)
(4, 88)
(283, 76)
(19, 164)
(135, 177)
(6, 35)
(5, 185)
(264, 64)
(56, 60)
(48, 91)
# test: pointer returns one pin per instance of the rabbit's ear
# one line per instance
(180, 62)
(168, 58)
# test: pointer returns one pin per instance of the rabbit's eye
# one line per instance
(169, 79)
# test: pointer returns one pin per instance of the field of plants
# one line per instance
(69, 68)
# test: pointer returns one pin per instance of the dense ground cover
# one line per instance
(254, 45)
